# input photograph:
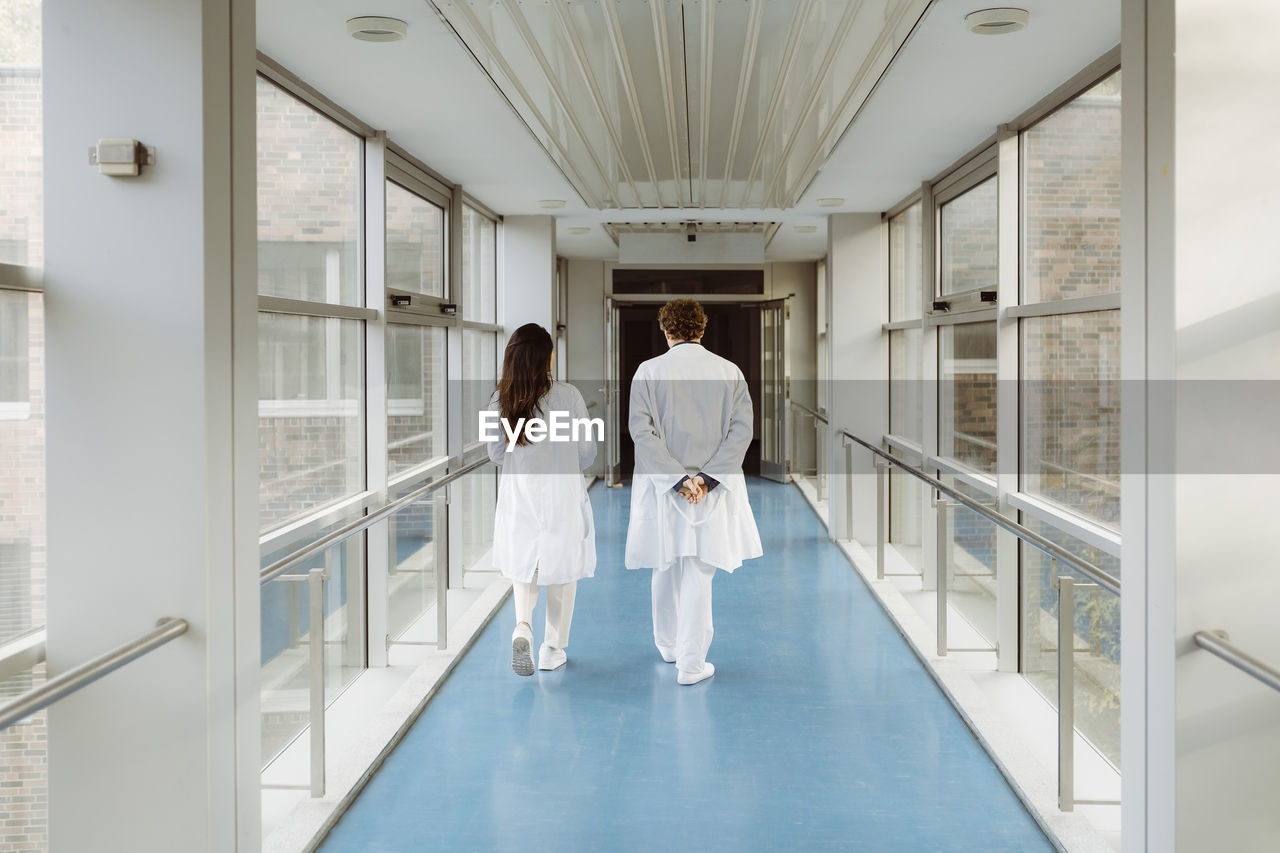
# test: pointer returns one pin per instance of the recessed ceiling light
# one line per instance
(377, 29)
(991, 22)
(806, 229)
(579, 229)
(551, 203)
(830, 202)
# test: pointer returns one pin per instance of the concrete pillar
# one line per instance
(857, 269)
(152, 428)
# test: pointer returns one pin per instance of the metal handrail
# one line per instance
(1219, 643)
(283, 565)
(1102, 578)
(85, 674)
(810, 412)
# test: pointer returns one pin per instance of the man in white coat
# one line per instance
(691, 421)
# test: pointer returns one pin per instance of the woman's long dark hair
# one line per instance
(526, 375)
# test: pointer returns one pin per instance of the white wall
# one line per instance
(152, 424)
(1210, 735)
(528, 267)
(586, 355)
(857, 268)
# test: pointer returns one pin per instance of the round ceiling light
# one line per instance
(551, 203)
(579, 229)
(830, 202)
(992, 22)
(377, 29)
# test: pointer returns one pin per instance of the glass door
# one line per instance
(773, 390)
(612, 407)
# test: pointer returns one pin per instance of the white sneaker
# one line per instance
(703, 674)
(667, 655)
(521, 650)
(549, 657)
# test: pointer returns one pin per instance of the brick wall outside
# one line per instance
(308, 220)
(23, 779)
(1071, 364)
(24, 788)
(21, 223)
(968, 240)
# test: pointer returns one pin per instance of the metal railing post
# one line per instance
(848, 492)
(882, 526)
(943, 563)
(315, 586)
(1066, 687)
(794, 467)
(442, 571)
(295, 619)
(820, 473)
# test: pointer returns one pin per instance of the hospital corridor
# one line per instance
(639, 425)
(610, 753)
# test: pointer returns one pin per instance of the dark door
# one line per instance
(733, 332)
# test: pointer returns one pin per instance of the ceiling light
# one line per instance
(990, 22)
(830, 202)
(806, 229)
(377, 29)
(579, 229)
(551, 203)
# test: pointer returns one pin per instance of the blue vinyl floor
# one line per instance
(820, 729)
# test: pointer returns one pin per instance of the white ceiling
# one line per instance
(685, 103)
(945, 92)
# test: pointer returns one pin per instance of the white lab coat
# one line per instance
(690, 412)
(543, 517)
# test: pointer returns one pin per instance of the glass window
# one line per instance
(416, 378)
(22, 566)
(968, 240)
(479, 267)
(1071, 198)
(286, 638)
(971, 566)
(482, 376)
(967, 394)
(1097, 637)
(15, 356)
(308, 202)
(905, 512)
(1071, 412)
(905, 256)
(415, 243)
(310, 430)
(418, 551)
(905, 375)
(21, 140)
(23, 809)
(478, 497)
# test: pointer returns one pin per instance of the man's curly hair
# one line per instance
(683, 319)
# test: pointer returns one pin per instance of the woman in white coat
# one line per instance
(543, 532)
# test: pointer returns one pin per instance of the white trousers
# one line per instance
(682, 612)
(560, 598)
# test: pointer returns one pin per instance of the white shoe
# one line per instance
(549, 657)
(667, 655)
(521, 650)
(703, 674)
